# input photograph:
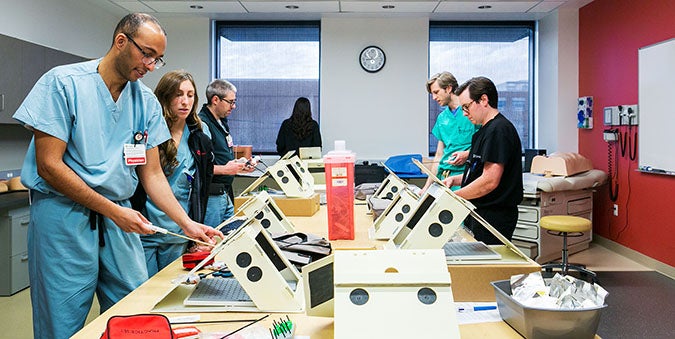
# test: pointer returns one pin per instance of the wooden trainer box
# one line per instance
(438, 215)
(402, 205)
(293, 177)
(393, 294)
(391, 185)
(262, 208)
(272, 282)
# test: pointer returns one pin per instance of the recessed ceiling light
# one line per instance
(484, 7)
(292, 7)
(388, 6)
(196, 6)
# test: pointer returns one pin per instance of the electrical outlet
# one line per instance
(616, 210)
(612, 115)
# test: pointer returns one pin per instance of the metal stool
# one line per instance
(566, 226)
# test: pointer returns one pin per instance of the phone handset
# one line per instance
(611, 135)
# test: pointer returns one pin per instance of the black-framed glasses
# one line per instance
(466, 107)
(147, 59)
(231, 102)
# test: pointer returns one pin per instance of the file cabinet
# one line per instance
(537, 243)
(14, 220)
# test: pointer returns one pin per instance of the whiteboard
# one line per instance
(656, 91)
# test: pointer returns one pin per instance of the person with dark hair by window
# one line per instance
(300, 130)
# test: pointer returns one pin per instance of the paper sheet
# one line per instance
(468, 316)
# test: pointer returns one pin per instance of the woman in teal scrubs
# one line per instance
(177, 94)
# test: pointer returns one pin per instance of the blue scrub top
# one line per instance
(72, 103)
(454, 130)
(181, 184)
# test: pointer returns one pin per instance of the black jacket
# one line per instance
(201, 149)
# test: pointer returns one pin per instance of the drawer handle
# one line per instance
(24, 258)
(25, 223)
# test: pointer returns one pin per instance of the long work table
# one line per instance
(145, 297)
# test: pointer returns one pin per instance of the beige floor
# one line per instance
(16, 319)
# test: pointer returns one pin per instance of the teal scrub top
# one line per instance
(67, 103)
(181, 184)
(455, 131)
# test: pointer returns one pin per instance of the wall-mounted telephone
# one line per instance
(610, 135)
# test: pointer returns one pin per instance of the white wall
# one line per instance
(73, 27)
(78, 28)
(377, 114)
(188, 48)
(558, 82)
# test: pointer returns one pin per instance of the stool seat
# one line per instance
(565, 223)
(566, 226)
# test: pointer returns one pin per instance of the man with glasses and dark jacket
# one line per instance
(221, 99)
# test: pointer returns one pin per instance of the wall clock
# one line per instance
(372, 59)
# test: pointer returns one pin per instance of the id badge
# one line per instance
(134, 154)
(230, 143)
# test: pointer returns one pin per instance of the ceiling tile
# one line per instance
(497, 6)
(303, 6)
(399, 6)
(207, 7)
(134, 6)
(547, 6)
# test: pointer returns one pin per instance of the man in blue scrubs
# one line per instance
(96, 129)
(452, 129)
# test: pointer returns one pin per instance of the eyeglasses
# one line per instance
(147, 59)
(231, 102)
(466, 107)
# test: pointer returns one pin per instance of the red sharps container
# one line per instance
(339, 165)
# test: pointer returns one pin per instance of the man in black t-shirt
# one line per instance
(492, 178)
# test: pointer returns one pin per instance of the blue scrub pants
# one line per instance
(67, 266)
(218, 209)
(159, 255)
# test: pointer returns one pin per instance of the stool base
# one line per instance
(565, 268)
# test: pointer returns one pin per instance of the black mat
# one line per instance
(641, 304)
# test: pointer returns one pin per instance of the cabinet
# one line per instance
(537, 243)
(23, 63)
(14, 222)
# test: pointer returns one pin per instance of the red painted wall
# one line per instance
(610, 34)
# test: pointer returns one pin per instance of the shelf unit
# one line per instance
(14, 249)
(537, 243)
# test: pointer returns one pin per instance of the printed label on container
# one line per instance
(339, 182)
(339, 172)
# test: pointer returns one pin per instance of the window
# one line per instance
(271, 64)
(501, 52)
